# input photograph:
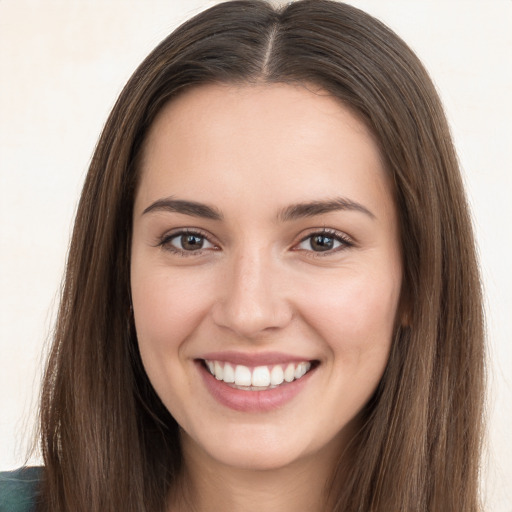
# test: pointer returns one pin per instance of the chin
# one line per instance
(244, 447)
(257, 448)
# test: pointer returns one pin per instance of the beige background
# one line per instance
(62, 65)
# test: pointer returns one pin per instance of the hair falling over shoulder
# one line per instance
(108, 442)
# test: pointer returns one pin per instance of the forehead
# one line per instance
(297, 111)
(292, 139)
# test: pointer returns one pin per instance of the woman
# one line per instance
(272, 297)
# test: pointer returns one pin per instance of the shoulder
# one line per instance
(19, 489)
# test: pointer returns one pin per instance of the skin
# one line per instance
(259, 285)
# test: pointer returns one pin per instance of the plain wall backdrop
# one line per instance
(62, 65)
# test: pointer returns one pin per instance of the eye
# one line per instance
(324, 242)
(186, 242)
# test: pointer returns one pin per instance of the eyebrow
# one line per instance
(192, 208)
(313, 208)
(292, 212)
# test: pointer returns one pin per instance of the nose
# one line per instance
(252, 301)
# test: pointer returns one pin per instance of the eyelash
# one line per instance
(345, 242)
(166, 240)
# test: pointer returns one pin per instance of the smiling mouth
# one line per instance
(259, 378)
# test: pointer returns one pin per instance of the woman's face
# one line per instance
(265, 245)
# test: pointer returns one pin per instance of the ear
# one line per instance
(404, 312)
(405, 318)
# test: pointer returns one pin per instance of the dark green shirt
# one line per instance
(19, 489)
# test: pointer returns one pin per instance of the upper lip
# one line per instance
(254, 359)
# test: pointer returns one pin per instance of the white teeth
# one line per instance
(289, 373)
(219, 371)
(229, 373)
(276, 376)
(261, 377)
(300, 371)
(258, 377)
(242, 375)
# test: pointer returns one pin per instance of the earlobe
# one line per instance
(404, 316)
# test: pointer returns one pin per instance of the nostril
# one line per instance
(249, 318)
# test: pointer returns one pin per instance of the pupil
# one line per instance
(191, 242)
(322, 243)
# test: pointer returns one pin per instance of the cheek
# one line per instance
(356, 314)
(355, 323)
(167, 308)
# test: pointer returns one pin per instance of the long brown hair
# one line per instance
(108, 442)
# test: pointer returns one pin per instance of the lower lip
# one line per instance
(252, 401)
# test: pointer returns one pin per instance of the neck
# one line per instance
(207, 484)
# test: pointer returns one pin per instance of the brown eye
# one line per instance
(321, 243)
(186, 242)
(324, 241)
(191, 242)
